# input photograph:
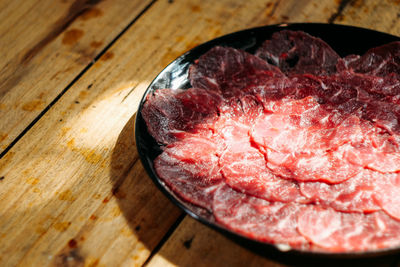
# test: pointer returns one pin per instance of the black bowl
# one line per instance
(344, 40)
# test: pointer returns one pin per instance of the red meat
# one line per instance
(244, 169)
(299, 52)
(229, 71)
(190, 169)
(380, 61)
(272, 222)
(171, 113)
(341, 232)
(304, 154)
(353, 195)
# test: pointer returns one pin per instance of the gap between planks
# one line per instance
(80, 74)
(165, 238)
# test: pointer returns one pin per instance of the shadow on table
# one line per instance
(148, 212)
(151, 215)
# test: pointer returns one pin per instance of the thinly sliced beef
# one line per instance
(244, 169)
(190, 168)
(281, 129)
(353, 195)
(326, 167)
(303, 142)
(272, 222)
(347, 130)
(339, 88)
(299, 52)
(383, 86)
(229, 71)
(244, 109)
(272, 89)
(380, 61)
(251, 109)
(387, 194)
(292, 106)
(383, 114)
(387, 235)
(343, 63)
(171, 113)
(302, 126)
(374, 159)
(294, 146)
(341, 232)
(278, 132)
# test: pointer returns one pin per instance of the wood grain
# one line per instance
(379, 15)
(194, 244)
(73, 191)
(45, 45)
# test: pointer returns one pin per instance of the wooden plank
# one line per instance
(379, 15)
(186, 247)
(194, 244)
(72, 189)
(45, 45)
(85, 197)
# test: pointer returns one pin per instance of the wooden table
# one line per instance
(72, 189)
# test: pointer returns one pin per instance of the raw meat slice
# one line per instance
(348, 131)
(286, 127)
(387, 231)
(169, 113)
(279, 133)
(385, 162)
(340, 88)
(353, 195)
(343, 63)
(228, 71)
(379, 61)
(232, 130)
(244, 169)
(373, 159)
(384, 115)
(383, 86)
(345, 86)
(303, 126)
(292, 106)
(306, 148)
(341, 232)
(245, 108)
(272, 222)
(326, 167)
(381, 140)
(320, 226)
(304, 142)
(299, 52)
(376, 149)
(272, 89)
(387, 194)
(190, 169)
(251, 109)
